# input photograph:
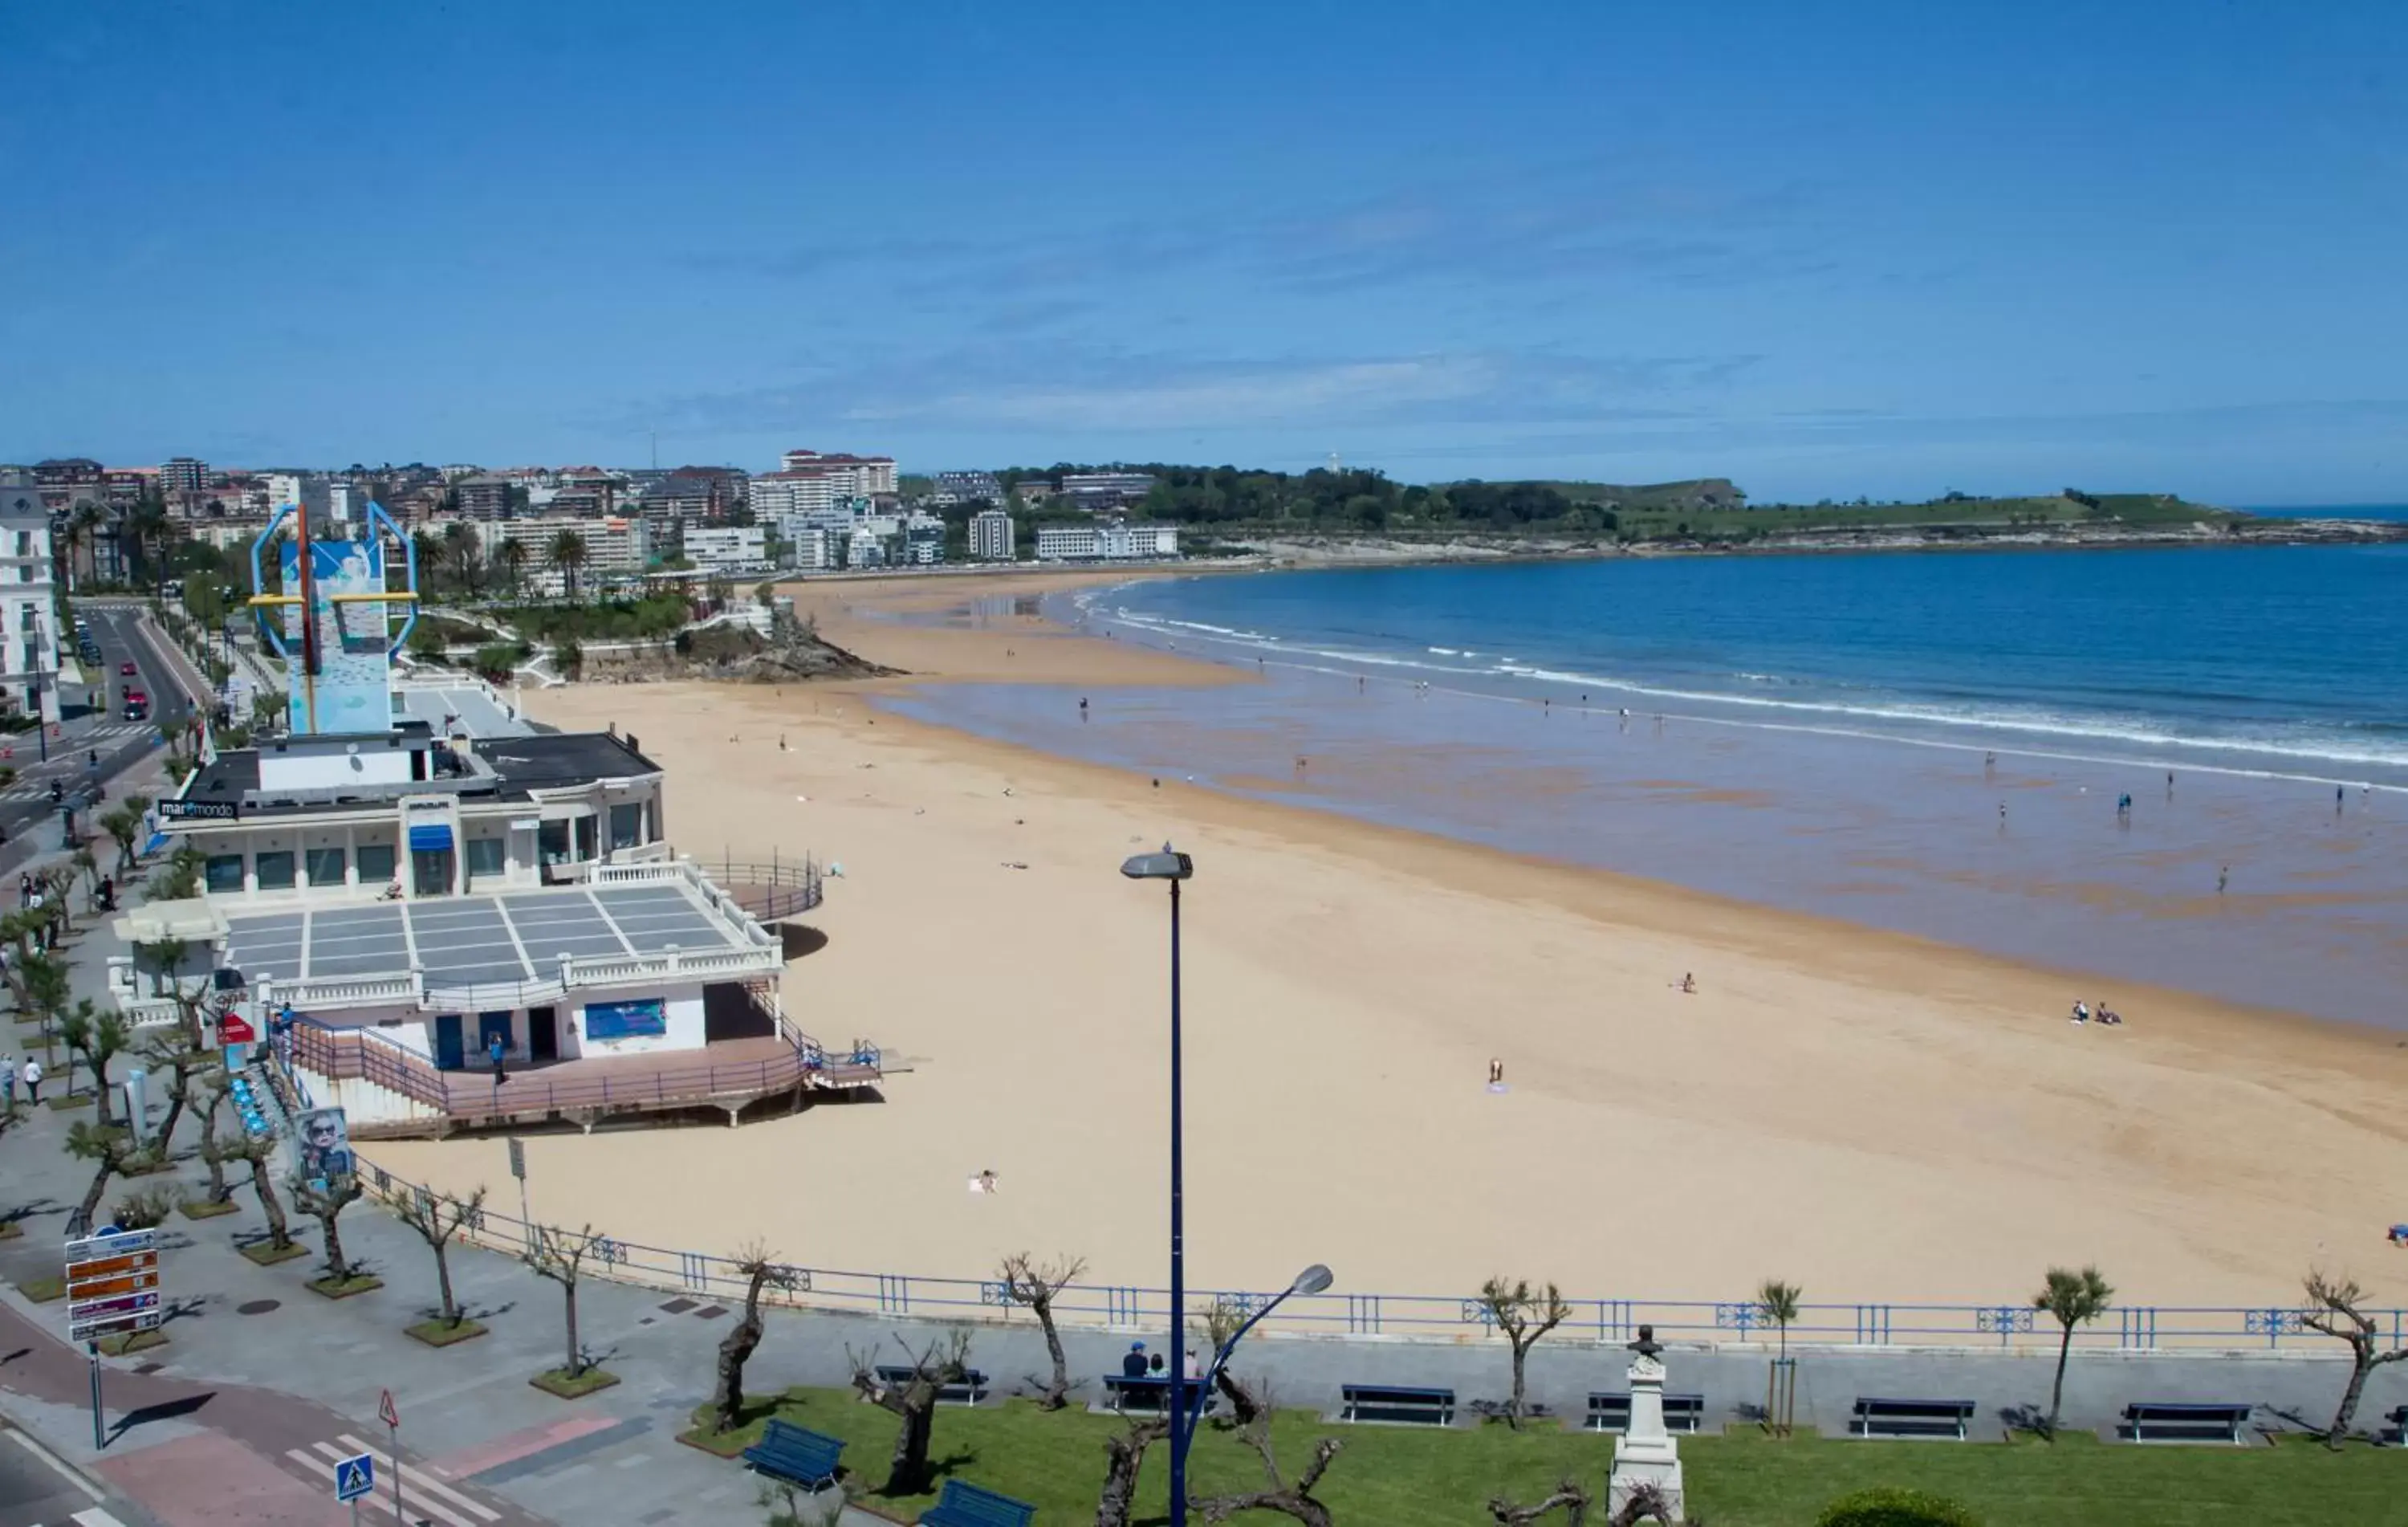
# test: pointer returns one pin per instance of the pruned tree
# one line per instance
(2334, 1310)
(1571, 1497)
(214, 1155)
(110, 1152)
(1777, 1302)
(326, 1204)
(98, 1037)
(147, 1209)
(914, 1399)
(1524, 1315)
(42, 989)
(1647, 1502)
(762, 1270)
(2075, 1299)
(1124, 1458)
(180, 1051)
(1027, 1281)
(437, 1218)
(560, 1256)
(258, 1150)
(1217, 1325)
(123, 822)
(1288, 1498)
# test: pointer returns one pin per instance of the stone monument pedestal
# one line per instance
(1646, 1454)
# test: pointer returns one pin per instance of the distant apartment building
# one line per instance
(484, 496)
(847, 475)
(806, 549)
(582, 502)
(991, 536)
(63, 481)
(1106, 490)
(614, 545)
(689, 501)
(29, 639)
(184, 474)
(727, 548)
(1106, 542)
(966, 488)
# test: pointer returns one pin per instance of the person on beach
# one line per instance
(2081, 1013)
(2003, 814)
(2222, 875)
(2170, 784)
(1082, 707)
(1689, 983)
(1496, 1073)
(2337, 795)
(986, 1181)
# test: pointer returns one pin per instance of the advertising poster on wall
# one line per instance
(351, 686)
(607, 1021)
(325, 1146)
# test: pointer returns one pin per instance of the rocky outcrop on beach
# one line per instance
(792, 654)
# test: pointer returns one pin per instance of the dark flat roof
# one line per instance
(519, 764)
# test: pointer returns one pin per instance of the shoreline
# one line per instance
(1875, 1115)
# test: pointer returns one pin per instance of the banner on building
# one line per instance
(627, 1020)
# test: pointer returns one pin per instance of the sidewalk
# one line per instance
(263, 1383)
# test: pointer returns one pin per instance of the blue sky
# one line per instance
(1822, 248)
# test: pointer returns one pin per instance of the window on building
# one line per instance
(588, 831)
(274, 868)
(488, 856)
(24, 543)
(551, 841)
(222, 873)
(375, 864)
(325, 866)
(627, 825)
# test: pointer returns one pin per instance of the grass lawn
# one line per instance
(43, 1289)
(1405, 1478)
(201, 1208)
(131, 1342)
(556, 1381)
(441, 1333)
(334, 1288)
(266, 1254)
(10, 1230)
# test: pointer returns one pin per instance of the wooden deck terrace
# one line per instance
(728, 1076)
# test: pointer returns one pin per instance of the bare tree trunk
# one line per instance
(443, 1282)
(735, 1350)
(210, 1155)
(1569, 1496)
(1056, 1393)
(2056, 1392)
(576, 1353)
(907, 1471)
(93, 1195)
(1125, 1455)
(1513, 1407)
(279, 1234)
(337, 1267)
(2360, 1365)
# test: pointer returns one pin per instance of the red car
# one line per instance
(129, 671)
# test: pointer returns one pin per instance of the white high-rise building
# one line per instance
(991, 536)
(849, 476)
(29, 636)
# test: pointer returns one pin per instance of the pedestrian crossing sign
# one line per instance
(355, 1477)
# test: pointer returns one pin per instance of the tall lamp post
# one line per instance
(1313, 1280)
(1174, 867)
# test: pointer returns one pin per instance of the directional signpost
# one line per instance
(355, 1477)
(112, 1287)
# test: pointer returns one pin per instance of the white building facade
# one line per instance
(29, 632)
(991, 538)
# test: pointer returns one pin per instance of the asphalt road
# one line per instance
(34, 1494)
(93, 721)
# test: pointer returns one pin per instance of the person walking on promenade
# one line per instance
(32, 1081)
(7, 1082)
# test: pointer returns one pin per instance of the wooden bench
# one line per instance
(2170, 1420)
(967, 1391)
(1878, 1417)
(1149, 1394)
(1611, 1412)
(967, 1506)
(796, 1452)
(1401, 1404)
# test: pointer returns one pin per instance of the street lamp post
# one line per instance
(1313, 1280)
(1174, 867)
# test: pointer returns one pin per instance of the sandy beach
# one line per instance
(1873, 1116)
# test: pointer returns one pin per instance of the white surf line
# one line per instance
(417, 1472)
(58, 1466)
(2008, 751)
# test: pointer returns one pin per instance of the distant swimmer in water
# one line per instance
(2337, 798)
(1082, 707)
(2222, 875)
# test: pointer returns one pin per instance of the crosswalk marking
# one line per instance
(91, 1516)
(421, 1493)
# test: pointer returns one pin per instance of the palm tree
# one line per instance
(145, 526)
(1777, 1302)
(429, 549)
(2075, 1299)
(460, 547)
(509, 561)
(567, 553)
(82, 541)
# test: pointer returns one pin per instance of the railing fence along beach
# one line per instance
(2001, 1327)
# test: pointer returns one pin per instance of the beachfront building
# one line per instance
(1106, 542)
(1106, 490)
(421, 878)
(29, 636)
(729, 548)
(991, 536)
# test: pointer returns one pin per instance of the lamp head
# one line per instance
(1312, 1280)
(1167, 865)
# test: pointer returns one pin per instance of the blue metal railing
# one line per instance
(1446, 1317)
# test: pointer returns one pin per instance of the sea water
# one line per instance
(1941, 745)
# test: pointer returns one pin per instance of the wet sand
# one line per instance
(1875, 1115)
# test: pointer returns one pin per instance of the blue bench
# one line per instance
(1149, 1394)
(1877, 1416)
(2399, 1419)
(969, 1389)
(796, 1452)
(1402, 1403)
(2170, 1420)
(968, 1505)
(1611, 1412)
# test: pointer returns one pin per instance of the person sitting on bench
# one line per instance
(1133, 1366)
